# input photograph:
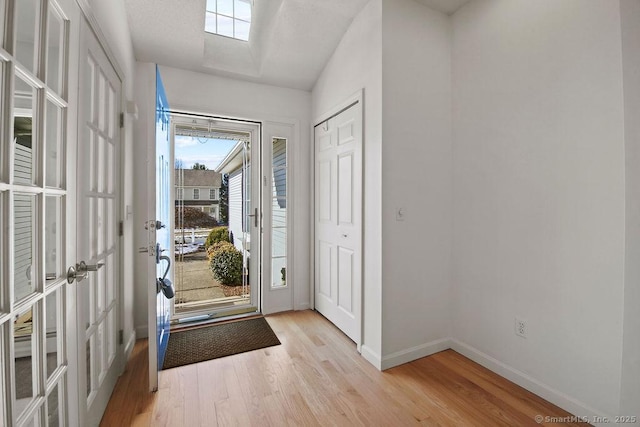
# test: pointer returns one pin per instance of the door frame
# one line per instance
(355, 98)
(87, 13)
(256, 130)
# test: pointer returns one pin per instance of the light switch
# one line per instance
(400, 214)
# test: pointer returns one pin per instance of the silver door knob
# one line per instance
(80, 271)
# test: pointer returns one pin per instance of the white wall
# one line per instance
(112, 19)
(539, 183)
(202, 93)
(416, 176)
(357, 64)
(630, 391)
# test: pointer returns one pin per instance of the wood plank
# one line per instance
(316, 377)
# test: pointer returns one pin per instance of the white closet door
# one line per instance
(338, 220)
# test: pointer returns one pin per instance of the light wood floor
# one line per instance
(316, 377)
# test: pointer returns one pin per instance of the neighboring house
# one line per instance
(234, 166)
(199, 189)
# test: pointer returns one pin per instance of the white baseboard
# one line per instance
(131, 342)
(142, 332)
(413, 353)
(371, 356)
(523, 380)
(303, 306)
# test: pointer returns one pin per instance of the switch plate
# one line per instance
(401, 213)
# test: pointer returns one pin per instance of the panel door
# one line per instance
(34, 203)
(338, 220)
(98, 206)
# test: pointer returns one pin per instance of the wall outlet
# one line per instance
(521, 327)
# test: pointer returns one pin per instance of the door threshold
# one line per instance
(205, 319)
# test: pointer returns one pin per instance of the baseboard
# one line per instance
(142, 332)
(525, 381)
(131, 342)
(414, 353)
(371, 356)
(303, 306)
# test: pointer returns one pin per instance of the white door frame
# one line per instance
(356, 98)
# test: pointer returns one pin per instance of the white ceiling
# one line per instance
(290, 40)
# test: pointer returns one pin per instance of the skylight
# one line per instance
(229, 18)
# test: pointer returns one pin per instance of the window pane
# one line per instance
(52, 144)
(211, 6)
(26, 15)
(3, 17)
(243, 10)
(279, 213)
(225, 26)
(55, 51)
(24, 141)
(225, 7)
(210, 22)
(242, 30)
(53, 237)
(51, 329)
(24, 364)
(53, 407)
(24, 274)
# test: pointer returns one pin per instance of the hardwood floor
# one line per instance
(316, 377)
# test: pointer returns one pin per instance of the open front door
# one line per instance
(159, 227)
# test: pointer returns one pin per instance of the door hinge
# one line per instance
(121, 120)
(121, 228)
(121, 336)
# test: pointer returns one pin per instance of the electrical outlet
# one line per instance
(521, 327)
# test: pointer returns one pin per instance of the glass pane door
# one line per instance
(33, 202)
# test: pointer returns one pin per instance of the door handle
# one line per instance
(254, 216)
(80, 271)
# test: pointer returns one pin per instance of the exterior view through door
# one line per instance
(217, 217)
(338, 219)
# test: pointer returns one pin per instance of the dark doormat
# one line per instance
(224, 339)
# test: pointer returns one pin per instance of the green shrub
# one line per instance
(215, 247)
(218, 234)
(226, 264)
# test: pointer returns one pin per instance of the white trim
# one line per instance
(128, 349)
(371, 356)
(556, 397)
(414, 353)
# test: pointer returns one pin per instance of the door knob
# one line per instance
(80, 271)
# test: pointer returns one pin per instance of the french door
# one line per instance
(98, 247)
(34, 212)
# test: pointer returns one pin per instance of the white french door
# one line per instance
(34, 202)
(338, 219)
(98, 246)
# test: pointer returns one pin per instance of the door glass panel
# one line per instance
(53, 407)
(51, 328)
(3, 17)
(279, 214)
(52, 237)
(26, 16)
(3, 334)
(89, 367)
(55, 51)
(24, 364)
(24, 274)
(111, 285)
(52, 144)
(24, 141)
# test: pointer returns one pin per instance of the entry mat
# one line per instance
(220, 340)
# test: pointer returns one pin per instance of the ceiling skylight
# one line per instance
(229, 18)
